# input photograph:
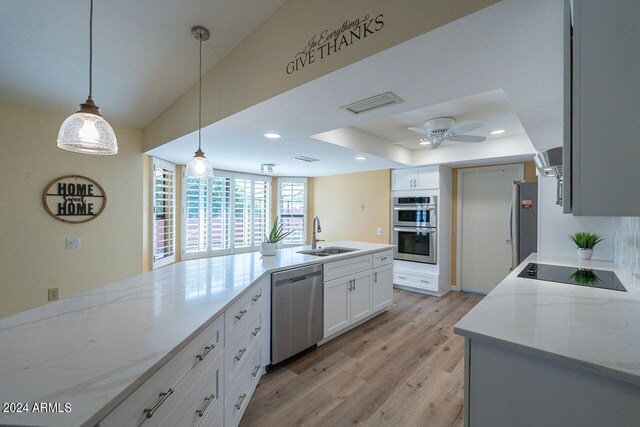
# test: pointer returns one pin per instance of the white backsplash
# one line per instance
(626, 248)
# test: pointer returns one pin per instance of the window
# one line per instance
(292, 209)
(164, 212)
(227, 214)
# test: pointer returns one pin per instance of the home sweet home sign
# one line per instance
(74, 199)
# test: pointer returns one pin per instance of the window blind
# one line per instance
(292, 209)
(220, 217)
(242, 214)
(164, 212)
(261, 210)
(196, 215)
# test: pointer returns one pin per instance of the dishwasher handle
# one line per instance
(286, 281)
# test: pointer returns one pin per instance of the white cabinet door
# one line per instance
(382, 287)
(336, 305)
(360, 296)
(428, 179)
(404, 179)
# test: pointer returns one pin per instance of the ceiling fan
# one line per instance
(441, 129)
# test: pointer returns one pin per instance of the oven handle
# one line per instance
(414, 208)
(419, 230)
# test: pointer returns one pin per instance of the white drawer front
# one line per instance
(240, 394)
(165, 388)
(237, 315)
(382, 258)
(237, 352)
(205, 397)
(422, 281)
(336, 269)
(214, 419)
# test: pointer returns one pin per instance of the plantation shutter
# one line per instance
(164, 213)
(220, 212)
(261, 210)
(196, 215)
(292, 209)
(242, 213)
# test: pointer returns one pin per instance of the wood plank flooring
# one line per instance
(402, 368)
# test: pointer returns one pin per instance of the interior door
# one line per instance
(360, 296)
(485, 197)
(337, 313)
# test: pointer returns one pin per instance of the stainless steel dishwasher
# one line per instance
(296, 311)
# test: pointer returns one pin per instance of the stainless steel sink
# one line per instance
(330, 250)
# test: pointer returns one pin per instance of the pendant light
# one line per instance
(199, 166)
(86, 131)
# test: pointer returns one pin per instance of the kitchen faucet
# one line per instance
(314, 240)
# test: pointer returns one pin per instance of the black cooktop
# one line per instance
(573, 276)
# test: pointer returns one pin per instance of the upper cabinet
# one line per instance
(415, 179)
(602, 107)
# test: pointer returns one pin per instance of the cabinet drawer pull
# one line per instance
(402, 277)
(425, 281)
(240, 400)
(207, 401)
(375, 277)
(163, 396)
(240, 314)
(255, 371)
(240, 354)
(206, 351)
(256, 298)
(384, 258)
(255, 331)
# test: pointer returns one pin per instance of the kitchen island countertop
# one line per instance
(92, 350)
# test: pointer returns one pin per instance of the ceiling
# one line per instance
(502, 65)
(144, 55)
(490, 108)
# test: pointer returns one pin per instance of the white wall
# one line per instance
(554, 226)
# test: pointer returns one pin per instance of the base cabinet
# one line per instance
(361, 292)
(382, 288)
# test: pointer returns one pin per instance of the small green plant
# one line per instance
(277, 233)
(585, 240)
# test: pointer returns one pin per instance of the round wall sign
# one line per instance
(74, 199)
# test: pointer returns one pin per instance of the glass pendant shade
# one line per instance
(199, 167)
(87, 133)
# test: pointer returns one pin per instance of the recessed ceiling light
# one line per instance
(272, 135)
(361, 158)
(497, 131)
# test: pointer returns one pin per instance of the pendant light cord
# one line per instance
(199, 96)
(90, 49)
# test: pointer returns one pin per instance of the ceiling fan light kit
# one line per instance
(441, 129)
(199, 166)
(86, 131)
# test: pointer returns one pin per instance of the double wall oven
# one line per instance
(415, 228)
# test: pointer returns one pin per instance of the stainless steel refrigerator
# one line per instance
(524, 221)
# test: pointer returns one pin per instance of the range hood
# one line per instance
(549, 163)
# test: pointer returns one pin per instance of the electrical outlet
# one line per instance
(52, 294)
(379, 231)
(362, 206)
(73, 243)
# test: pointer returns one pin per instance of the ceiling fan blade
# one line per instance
(466, 138)
(466, 128)
(419, 130)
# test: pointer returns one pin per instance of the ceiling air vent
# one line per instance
(305, 159)
(375, 101)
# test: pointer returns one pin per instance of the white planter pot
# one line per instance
(585, 253)
(268, 249)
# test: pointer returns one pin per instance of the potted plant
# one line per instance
(270, 245)
(585, 243)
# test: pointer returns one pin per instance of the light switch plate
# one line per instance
(379, 231)
(73, 243)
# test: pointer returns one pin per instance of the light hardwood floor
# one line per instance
(402, 368)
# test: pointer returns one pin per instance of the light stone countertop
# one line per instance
(595, 329)
(94, 349)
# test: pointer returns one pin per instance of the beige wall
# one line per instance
(529, 175)
(32, 244)
(337, 201)
(255, 70)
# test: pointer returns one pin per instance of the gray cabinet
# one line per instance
(602, 134)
